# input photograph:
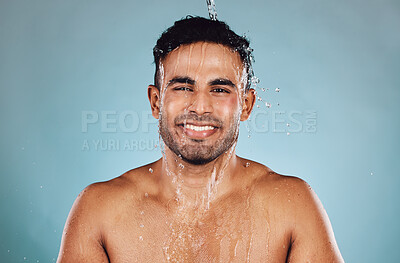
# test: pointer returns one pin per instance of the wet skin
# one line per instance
(201, 89)
(227, 210)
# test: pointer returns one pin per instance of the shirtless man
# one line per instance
(199, 202)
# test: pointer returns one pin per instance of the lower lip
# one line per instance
(198, 134)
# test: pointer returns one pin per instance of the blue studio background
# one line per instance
(74, 109)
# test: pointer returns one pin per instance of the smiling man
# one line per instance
(200, 202)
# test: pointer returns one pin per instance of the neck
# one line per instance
(196, 186)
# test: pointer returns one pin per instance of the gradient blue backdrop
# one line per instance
(336, 64)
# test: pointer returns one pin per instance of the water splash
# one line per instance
(211, 186)
(248, 129)
(212, 11)
(183, 242)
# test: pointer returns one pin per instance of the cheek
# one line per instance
(172, 106)
(228, 106)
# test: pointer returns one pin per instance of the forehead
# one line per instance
(197, 59)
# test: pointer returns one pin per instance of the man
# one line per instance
(200, 202)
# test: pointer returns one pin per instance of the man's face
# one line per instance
(201, 101)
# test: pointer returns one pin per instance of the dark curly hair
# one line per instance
(195, 29)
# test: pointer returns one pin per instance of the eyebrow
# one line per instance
(182, 80)
(222, 82)
(190, 81)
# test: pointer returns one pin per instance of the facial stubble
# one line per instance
(194, 151)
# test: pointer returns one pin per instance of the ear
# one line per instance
(248, 104)
(154, 97)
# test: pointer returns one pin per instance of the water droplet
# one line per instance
(8, 251)
(141, 238)
(181, 166)
(277, 89)
(288, 133)
(263, 89)
(142, 212)
(146, 195)
(247, 164)
(212, 11)
(372, 173)
(268, 105)
(254, 79)
(24, 258)
(150, 170)
(258, 106)
(287, 124)
(249, 136)
(141, 225)
(41, 187)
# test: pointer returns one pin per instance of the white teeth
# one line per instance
(199, 128)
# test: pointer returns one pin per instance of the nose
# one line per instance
(200, 103)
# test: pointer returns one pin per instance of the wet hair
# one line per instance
(198, 29)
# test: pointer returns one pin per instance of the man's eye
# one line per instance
(220, 90)
(183, 88)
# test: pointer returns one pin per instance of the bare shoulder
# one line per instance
(101, 201)
(289, 190)
(102, 197)
(92, 213)
(295, 208)
(103, 192)
(290, 197)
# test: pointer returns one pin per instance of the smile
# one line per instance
(198, 128)
(198, 132)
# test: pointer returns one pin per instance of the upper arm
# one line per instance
(81, 241)
(312, 236)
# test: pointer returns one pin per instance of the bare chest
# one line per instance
(229, 232)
